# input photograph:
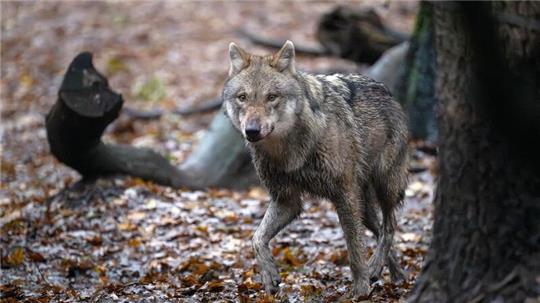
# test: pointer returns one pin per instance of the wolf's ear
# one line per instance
(284, 59)
(238, 57)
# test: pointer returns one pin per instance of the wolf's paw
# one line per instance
(271, 280)
(375, 269)
(398, 276)
(360, 290)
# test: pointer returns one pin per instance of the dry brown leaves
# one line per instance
(126, 239)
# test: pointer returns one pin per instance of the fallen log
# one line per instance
(221, 157)
(154, 114)
(347, 32)
(356, 34)
(272, 42)
(86, 105)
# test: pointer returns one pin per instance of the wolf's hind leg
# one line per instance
(371, 221)
(281, 211)
(397, 275)
(350, 213)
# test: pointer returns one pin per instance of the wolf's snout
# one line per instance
(253, 131)
(253, 134)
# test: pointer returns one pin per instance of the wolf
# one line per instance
(338, 137)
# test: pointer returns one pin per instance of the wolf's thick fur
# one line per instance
(338, 137)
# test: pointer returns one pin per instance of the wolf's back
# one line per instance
(380, 125)
(372, 103)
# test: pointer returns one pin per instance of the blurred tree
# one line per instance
(416, 90)
(486, 235)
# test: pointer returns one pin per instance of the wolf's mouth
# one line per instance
(258, 136)
(253, 139)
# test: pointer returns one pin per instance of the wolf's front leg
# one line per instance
(350, 217)
(281, 211)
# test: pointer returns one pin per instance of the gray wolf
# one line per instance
(337, 137)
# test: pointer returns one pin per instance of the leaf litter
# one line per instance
(124, 239)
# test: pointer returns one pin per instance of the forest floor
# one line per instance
(123, 239)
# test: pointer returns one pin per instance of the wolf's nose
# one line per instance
(253, 133)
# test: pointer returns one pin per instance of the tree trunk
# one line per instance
(486, 233)
(221, 158)
(389, 68)
(417, 90)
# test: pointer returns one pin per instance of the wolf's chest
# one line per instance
(312, 177)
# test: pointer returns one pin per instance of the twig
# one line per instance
(155, 114)
(41, 274)
(278, 43)
(207, 106)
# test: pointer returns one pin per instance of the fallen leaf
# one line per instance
(35, 256)
(257, 193)
(135, 242)
(195, 265)
(291, 258)
(189, 280)
(16, 257)
(411, 237)
(216, 286)
(95, 241)
(127, 226)
(136, 215)
(308, 290)
(154, 276)
(340, 257)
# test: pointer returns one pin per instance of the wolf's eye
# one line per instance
(242, 97)
(271, 97)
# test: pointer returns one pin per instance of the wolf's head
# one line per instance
(262, 94)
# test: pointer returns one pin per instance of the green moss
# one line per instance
(115, 65)
(151, 90)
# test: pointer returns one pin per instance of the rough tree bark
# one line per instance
(486, 233)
